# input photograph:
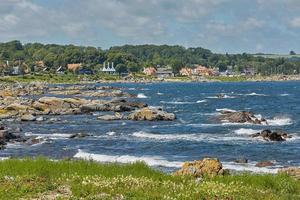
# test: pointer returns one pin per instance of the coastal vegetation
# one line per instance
(130, 58)
(69, 179)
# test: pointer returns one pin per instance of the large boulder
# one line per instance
(207, 167)
(268, 135)
(291, 171)
(151, 114)
(28, 117)
(241, 117)
(264, 164)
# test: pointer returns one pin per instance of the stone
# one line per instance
(268, 135)
(28, 117)
(264, 164)
(241, 161)
(241, 117)
(116, 116)
(79, 135)
(151, 114)
(291, 171)
(210, 167)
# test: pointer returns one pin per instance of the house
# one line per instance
(204, 71)
(60, 70)
(74, 67)
(186, 71)
(229, 71)
(150, 71)
(249, 71)
(109, 68)
(164, 73)
(19, 68)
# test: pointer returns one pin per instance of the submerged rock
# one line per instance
(268, 135)
(241, 117)
(79, 135)
(264, 164)
(116, 116)
(207, 167)
(151, 114)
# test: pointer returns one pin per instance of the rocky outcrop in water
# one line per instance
(268, 135)
(116, 116)
(241, 117)
(207, 167)
(151, 114)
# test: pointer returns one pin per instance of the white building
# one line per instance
(109, 68)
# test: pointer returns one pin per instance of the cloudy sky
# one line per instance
(234, 26)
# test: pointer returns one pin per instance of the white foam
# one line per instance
(111, 133)
(177, 102)
(141, 96)
(150, 160)
(159, 93)
(280, 121)
(246, 131)
(250, 167)
(225, 110)
(188, 137)
(50, 135)
(284, 95)
(201, 101)
(255, 94)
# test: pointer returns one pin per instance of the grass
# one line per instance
(66, 179)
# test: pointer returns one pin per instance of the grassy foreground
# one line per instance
(45, 179)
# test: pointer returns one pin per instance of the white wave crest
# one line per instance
(150, 160)
(255, 94)
(280, 121)
(50, 135)
(142, 96)
(250, 167)
(246, 131)
(225, 110)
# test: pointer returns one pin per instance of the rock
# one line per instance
(79, 135)
(28, 117)
(264, 164)
(207, 167)
(241, 161)
(33, 141)
(268, 135)
(241, 117)
(291, 171)
(151, 114)
(6, 136)
(116, 116)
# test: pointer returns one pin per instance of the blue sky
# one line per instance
(233, 26)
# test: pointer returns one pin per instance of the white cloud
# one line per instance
(295, 23)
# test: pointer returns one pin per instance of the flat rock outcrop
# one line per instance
(241, 117)
(151, 114)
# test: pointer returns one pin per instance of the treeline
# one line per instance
(129, 58)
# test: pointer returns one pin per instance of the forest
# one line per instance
(133, 58)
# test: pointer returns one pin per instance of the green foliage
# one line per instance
(135, 58)
(69, 179)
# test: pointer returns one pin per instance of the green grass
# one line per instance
(59, 78)
(66, 179)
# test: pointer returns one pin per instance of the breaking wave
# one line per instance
(150, 160)
(142, 96)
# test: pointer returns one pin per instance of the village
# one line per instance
(18, 68)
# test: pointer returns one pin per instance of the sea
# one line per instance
(194, 135)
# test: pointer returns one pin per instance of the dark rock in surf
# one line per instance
(268, 135)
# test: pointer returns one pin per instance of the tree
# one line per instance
(176, 65)
(121, 68)
(292, 53)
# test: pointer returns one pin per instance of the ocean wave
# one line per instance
(280, 121)
(142, 96)
(201, 101)
(246, 131)
(177, 102)
(221, 97)
(255, 94)
(111, 133)
(159, 93)
(284, 95)
(53, 136)
(225, 110)
(250, 167)
(150, 160)
(188, 137)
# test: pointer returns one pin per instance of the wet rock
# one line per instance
(268, 135)
(241, 161)
(116, 116)
(291, 171)
(264, 164)
(207, 167)
(28, 117)
(79, 135)
(241, 117)
(151, 114)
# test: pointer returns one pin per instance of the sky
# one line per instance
(223, 26)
